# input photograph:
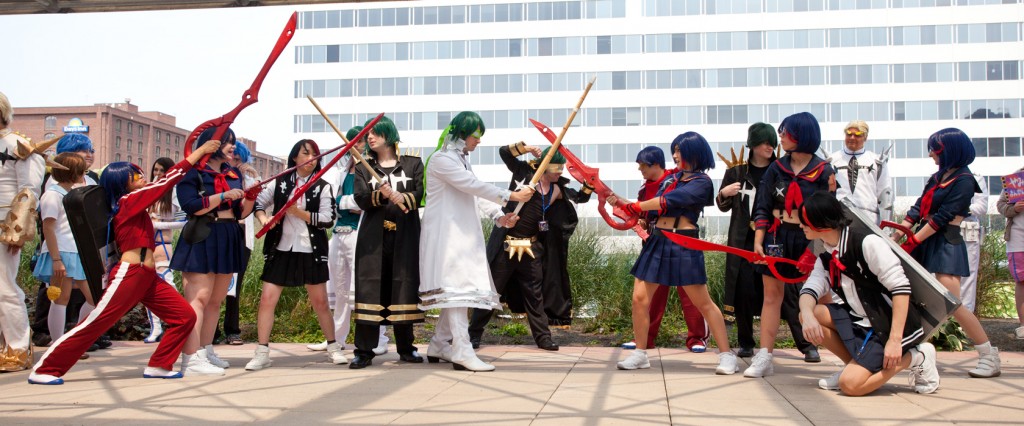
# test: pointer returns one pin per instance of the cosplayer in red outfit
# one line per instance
(133, 280)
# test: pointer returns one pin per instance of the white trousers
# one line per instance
(969, 285)
(453, 324)
(341, 288)
(14, 331)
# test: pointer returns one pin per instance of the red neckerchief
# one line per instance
(220, 182)
(795, 198)
(926, 199)
(835, 270)
(650, 188)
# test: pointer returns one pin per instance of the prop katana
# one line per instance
(312, 180)
(249, 97)
(355, 154)
(542, 167)
(589, 176)
(698, 244)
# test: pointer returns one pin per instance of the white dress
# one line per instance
(453, 262)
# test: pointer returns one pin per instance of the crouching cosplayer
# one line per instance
(871, 327)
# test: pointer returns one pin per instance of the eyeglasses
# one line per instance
(852, 132)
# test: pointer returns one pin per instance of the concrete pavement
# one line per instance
(577, 385)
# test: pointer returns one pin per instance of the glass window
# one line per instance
(604, 45)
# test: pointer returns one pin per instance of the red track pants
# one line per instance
(696, 328)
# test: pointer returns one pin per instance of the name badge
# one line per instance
(543, 226)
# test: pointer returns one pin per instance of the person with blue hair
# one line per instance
(680, 201)
(133, 280)
(937, 244)
(651, 163)
(232, 331)
(781, 192)
(211, 247)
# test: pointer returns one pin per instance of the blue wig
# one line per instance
(242, 152)
(227, 138)
(695, 151)
(115, 179)
(651, 156)
(74, 142)
(953, 148)
(803, 128)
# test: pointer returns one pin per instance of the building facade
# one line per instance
(663, 67)
(120, 132)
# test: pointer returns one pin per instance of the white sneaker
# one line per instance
(334, 354)
(317, 347)
(637, 359)
(925, 377)
(212, 357)
(726, 363)
(159, 373)
(260, 359)
(988, 365)
(761, 365)
(831, 382)
(1019, 332)
(199, 366)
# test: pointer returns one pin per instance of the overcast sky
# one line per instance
(193, 64)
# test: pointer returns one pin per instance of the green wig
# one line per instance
(556, 159)
(353, 132)
(466, 123)
(386, 129)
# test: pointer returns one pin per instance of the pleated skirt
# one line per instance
(663, 262)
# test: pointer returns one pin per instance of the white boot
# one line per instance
(472, 364)
(260, 360)
(197, 365)
(382, 343)
(637, 359)
(317, 347)
(334, 354)
(988, 364)
(156, 329)
(726, 363)
(212, 357)
(761, 365)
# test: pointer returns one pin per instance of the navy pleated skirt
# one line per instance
(789, 242)
(945, 252)
(220, 253)
(663, 262)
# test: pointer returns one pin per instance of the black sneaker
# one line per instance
(104, 342)
(41, 339)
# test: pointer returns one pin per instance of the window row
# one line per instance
(463, 14)
(661, 79)
(659, 43)
(721, 7)
(694, 115)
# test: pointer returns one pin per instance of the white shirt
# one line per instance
(295, 233)
(881, 261)
(872, 180)
(51, 205)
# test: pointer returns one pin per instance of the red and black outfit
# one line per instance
(131, 283)
(697, 330)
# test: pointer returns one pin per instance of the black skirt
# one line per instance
(290, 269)
(789, 242)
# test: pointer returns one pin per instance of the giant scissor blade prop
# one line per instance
(542, 167)
(249, 97)
(312, 181)
(355, 154)
(698, 244)
(589, 176)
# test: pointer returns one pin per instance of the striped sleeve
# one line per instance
(817, 282)
(885, 265)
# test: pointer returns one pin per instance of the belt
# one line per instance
(694, 233)
(532, 239)
(390, 226)
(223, 219)
(344, 229)
(519, 246)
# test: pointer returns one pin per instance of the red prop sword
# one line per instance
(249, 97)
(590, 176)
(698, 244)
(309, 184)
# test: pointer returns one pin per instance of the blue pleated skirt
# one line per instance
(945, 252)
(72, 264)
(220, 253)
(663, 262)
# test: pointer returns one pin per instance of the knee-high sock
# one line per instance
(56, 319)
(84, 312)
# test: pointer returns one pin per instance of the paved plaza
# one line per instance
(576, 385)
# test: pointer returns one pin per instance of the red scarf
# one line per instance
(835, 270)
(220, 182)
(926, 199)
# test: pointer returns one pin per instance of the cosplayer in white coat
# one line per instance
(454, 275)
(974, 236)
(862, 175)
(21, 175)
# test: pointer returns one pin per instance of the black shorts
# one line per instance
(865, 347)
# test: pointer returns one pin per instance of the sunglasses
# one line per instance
(137, 176)
(478, 134)
(852, 132)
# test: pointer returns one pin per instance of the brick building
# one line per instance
(120, 132)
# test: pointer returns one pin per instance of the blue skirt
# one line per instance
(945, 252)
(220, 253)
(789, 242)
(663, 262)
(72, 265)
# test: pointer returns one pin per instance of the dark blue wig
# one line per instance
(953, 148)
(650, 156)
(227, 138)
(115, 179)
(313, 147)
(803, 128)
(695, 151)
(74, 142)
